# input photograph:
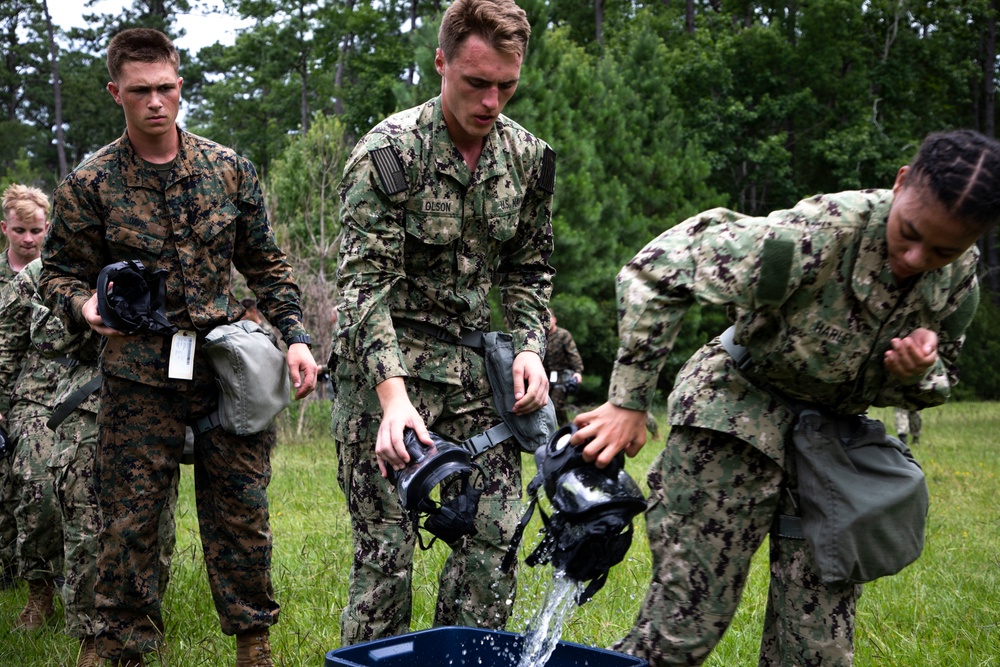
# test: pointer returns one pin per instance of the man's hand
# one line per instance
(93, 318)
(911, 356)
(303, 369)
(610, 430)
(531, 385)
(397, 413)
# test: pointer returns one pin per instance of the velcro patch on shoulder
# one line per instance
(955, 324)
(547, 179)
(389, 168)
(775, 271)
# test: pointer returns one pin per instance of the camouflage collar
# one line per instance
(492, 163)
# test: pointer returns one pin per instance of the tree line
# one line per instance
(657, 109)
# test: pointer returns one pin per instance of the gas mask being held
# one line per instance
(443, 464)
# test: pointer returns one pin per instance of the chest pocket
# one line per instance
(130, 237)
(502, 225)
(215, 229)
(431, 246)
(434, 222)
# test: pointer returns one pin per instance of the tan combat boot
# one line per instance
(88, 654)
(253, 649)
(39, 607)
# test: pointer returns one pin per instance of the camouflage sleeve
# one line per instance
(371, 263)
(715, 258)
(261, 261)
(525, 275)
(72, 256)
(15, 336)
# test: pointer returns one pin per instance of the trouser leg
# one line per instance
(8, 524)
(73, 468)
(138, 453)
(807, 623)
(39, 521)
(472, 589)
(712, 501)
(231, 476)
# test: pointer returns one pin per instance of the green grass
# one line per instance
(943, 610)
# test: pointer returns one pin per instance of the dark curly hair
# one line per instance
(962, 169)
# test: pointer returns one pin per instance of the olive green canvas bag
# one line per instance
(252, 376)
(863, 497)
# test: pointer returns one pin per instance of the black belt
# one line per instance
(468, 337)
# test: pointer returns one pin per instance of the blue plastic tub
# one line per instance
(467, 647)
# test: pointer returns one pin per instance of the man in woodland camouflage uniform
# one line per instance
(194, 209)
(27, 391)
(562, 359)
(440, 203)
(25, 221)
(846, 301)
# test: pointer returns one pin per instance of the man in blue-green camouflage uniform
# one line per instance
(847, 301)
(194, 209)
(27, 388)
(440, 203)
(25, 221)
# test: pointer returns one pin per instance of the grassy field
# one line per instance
(943, 610)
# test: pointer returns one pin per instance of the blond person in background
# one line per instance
(25, 221)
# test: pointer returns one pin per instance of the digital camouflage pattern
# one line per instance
(701, 558)
(8, 525)
(142, 432)
(817, 326)
(472, 592)
(72, 466)
(431, 252)
(560, 355)
(27, 388)
(198, 222)
(815, 302)
(208, 219)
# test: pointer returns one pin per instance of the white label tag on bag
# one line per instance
(182, 356)
(554, 377)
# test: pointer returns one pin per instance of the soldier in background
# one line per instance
(563, 365)
(440, 203)
(25, 221)
(27, 393)
(908, 423)
(194, 209)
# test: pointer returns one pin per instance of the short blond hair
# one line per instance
(23, 201)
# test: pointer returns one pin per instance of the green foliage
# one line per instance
(978, 372)
(753, 106)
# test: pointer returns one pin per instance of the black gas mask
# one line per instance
(135, 300)
(590, 529)
(445, 464)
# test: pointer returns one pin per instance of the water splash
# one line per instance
(543, 632)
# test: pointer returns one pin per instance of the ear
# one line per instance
(900, 179)
(115, 93)
(439, 61)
